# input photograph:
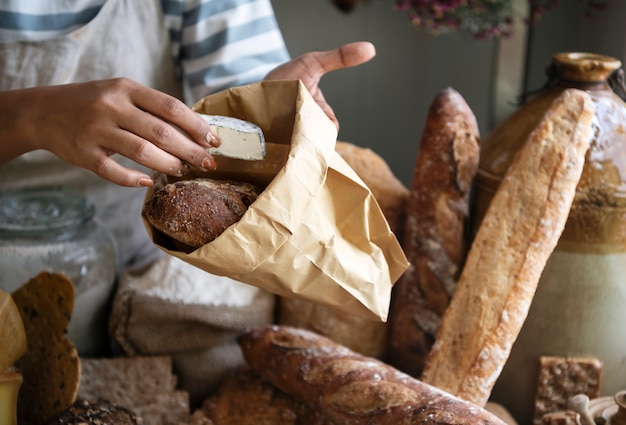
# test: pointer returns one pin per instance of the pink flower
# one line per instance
(482, 19)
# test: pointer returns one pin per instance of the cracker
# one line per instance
(50, 366)
(561, 378)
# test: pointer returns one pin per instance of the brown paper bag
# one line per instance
(316, 231)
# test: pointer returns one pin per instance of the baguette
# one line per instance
(347, 387)
(517, 235)
(435, 229)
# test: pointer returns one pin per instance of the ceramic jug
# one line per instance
(579, 308)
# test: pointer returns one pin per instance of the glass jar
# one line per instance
(54, 231)
(579, 308)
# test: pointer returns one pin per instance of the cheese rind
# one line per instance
(239, 139)
(12, 332)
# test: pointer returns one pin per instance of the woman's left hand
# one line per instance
(310, 67)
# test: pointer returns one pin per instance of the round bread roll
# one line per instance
(194, 212)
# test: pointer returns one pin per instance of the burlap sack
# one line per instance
(173, 308)
(316, 231)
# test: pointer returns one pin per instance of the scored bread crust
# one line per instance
(518, 233)
(347, 387)
(197, 211)
(435, 230)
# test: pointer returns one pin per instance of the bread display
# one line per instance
(517, 235)
(187, 349)
(194, 212)
(349, 388)
(435, 234)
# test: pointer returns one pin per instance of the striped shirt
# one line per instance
(216, 44)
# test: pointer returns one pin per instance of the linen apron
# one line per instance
(127, 38)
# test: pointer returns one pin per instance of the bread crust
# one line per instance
(244, 398)
(196, 211)
(517, 235)
(349, 388)
(435, 231)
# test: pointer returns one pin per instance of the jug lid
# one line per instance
(586, 67)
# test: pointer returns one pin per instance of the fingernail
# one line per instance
(184, 170)
(145, 181)
(212, 140)
(208, 163)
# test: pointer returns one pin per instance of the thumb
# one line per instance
(346, 56)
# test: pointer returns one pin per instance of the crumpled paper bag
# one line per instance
(316, 231)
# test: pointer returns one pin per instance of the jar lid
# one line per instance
(585, 67)
(32, 211)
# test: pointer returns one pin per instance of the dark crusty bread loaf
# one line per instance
(435, 230)
(349, 388)
(514, 241)
(99, 412)
(197, 211)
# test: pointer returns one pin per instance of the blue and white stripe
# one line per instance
(216, 44)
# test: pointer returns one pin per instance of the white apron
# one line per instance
(127, 38)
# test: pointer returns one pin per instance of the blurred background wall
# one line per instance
(383, 104)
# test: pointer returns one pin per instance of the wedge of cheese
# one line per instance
(12, 334)
(240, 139)
(10, 382)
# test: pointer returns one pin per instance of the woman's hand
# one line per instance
(310, 67)
(85, 123)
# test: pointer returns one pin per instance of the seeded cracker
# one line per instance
(51, 367)
(560, 379)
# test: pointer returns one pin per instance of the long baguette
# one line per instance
(519, 232)
(435, 229)
(347, 387)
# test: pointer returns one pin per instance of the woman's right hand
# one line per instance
(85, 123)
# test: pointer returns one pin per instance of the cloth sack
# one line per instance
(176, 309)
